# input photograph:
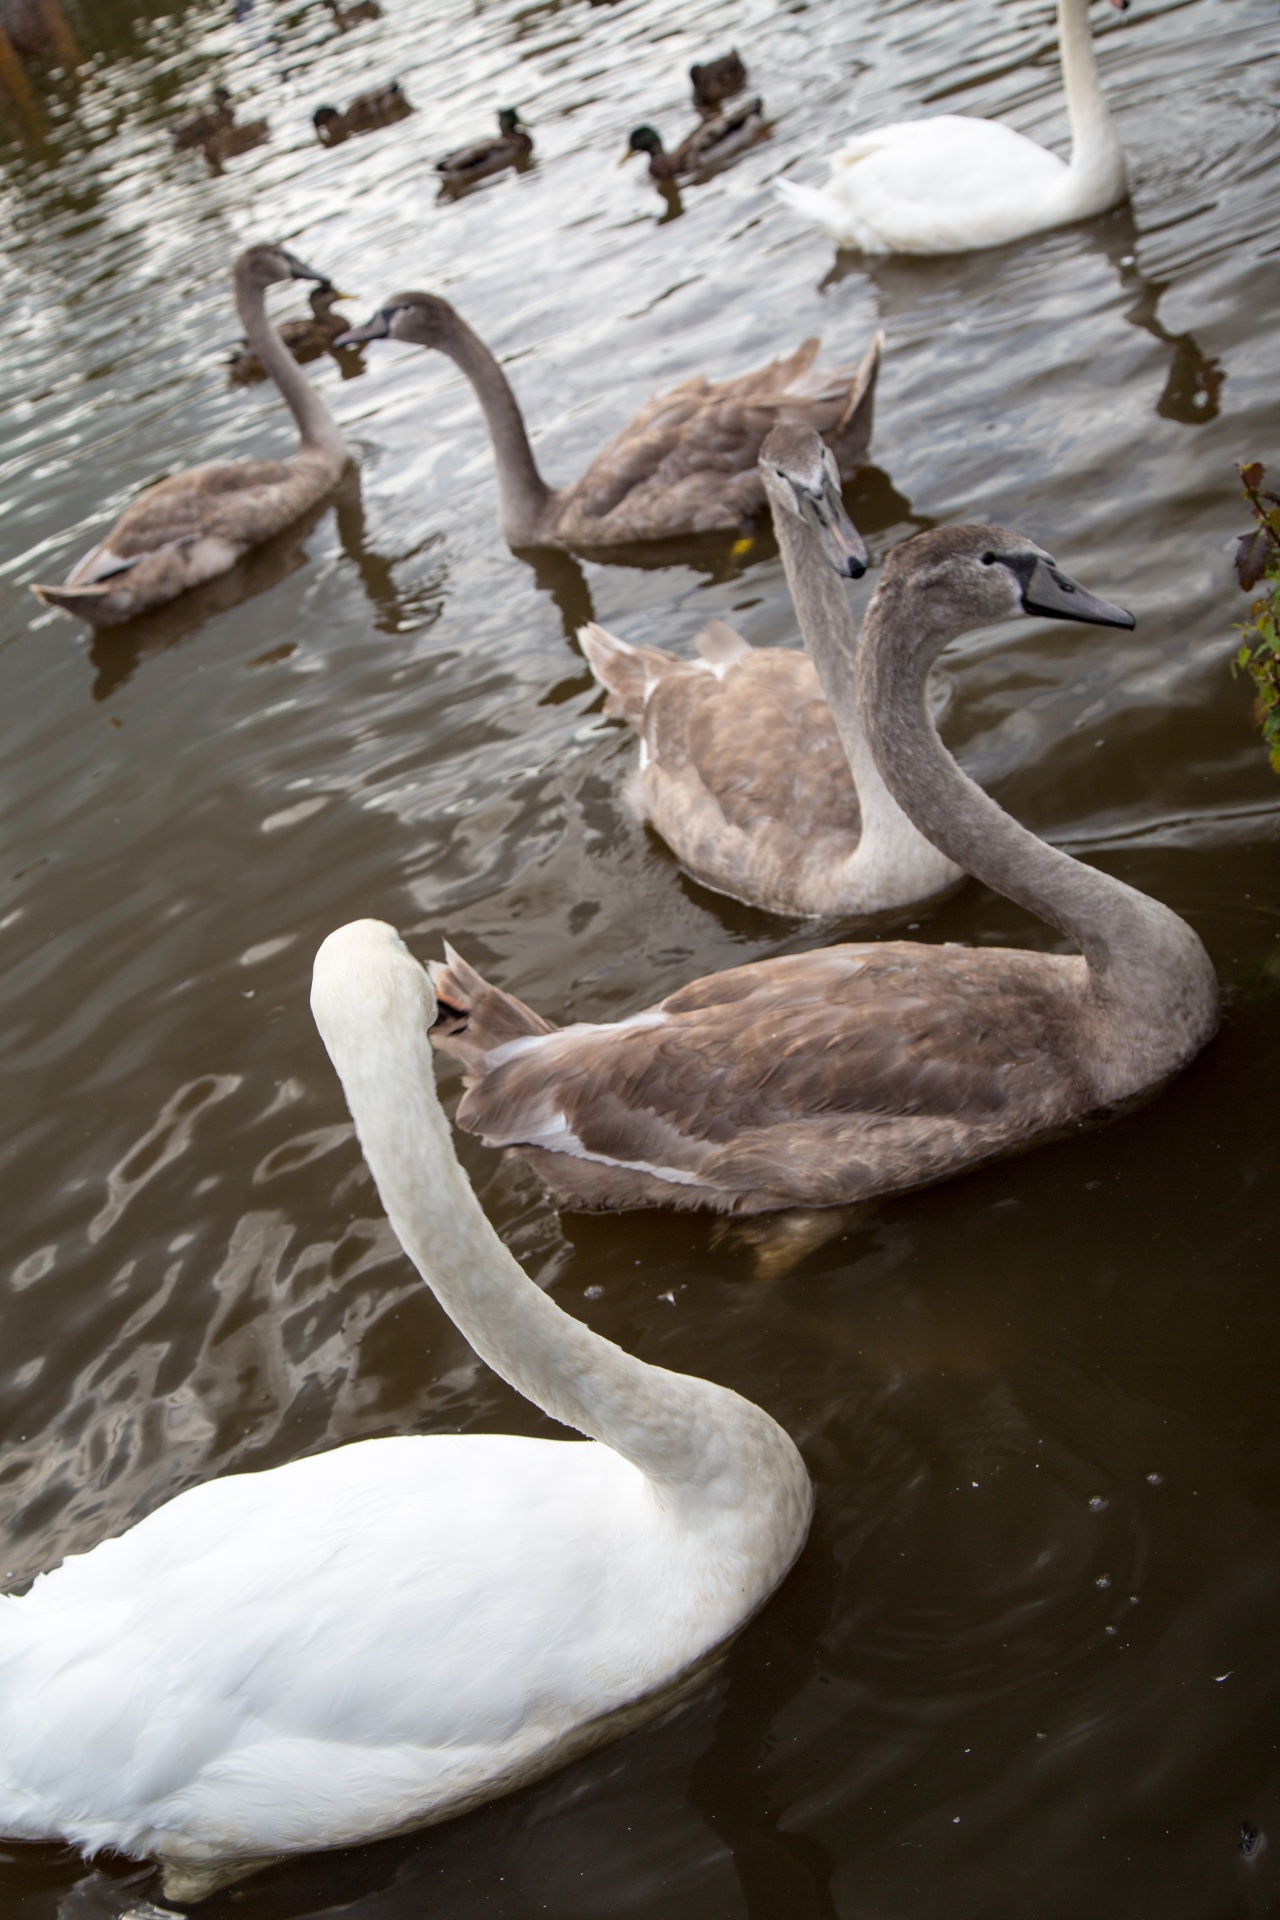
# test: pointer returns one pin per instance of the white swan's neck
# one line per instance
(703, 1447)
(1097, 162)
(1151, 991)
(317, 427)
(524, 496)
(891, 854)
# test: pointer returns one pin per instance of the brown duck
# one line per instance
(305, 339)
(512, 144)
(716, 81)
(193, 132)
(710, 146)
(366, 113)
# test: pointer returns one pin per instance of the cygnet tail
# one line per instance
(87, 603)
(474, 1019)
(628, 674)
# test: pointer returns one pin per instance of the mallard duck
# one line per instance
(345, 17)
(366, 113)
(305, 339)
(512, 144)
(822, 1078)
(950, 184)
(204, 125)
(753, 764)
(686, 464)
(717, 80)
(199, 523)
(228, 142)
(713, 144)
(397, 1630)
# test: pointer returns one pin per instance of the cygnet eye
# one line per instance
(989, 559)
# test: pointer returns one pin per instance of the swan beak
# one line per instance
(379, 328)
(1049, 591)
(841, 541)
(1121, 6)
(300, 270)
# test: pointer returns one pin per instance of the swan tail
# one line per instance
(851, 435)
(474, 1019)
(813, 205)
(628, 674)
(720, 645)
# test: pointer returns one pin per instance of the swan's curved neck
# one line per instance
(701, 1445)
(831, 638)
(1097, 162)
(317, 427)
(1150, 980)
(523, 494)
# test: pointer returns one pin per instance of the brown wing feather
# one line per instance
(687, 461)
(210, 500)
(807, 1080)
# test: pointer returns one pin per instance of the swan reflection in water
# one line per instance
(1194, 382)
(116, 652)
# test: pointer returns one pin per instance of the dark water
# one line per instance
(1029, 1664)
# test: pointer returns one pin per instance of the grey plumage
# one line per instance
(826, 1077)
(687, 462)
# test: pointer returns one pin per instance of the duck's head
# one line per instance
(509, 120)
(643, 140)
(977, 575)
(422, 318)
(325, 119)
(801, 478)
(221, 97)
(263, 266)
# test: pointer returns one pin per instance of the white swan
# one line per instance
(384, 1635)
(949, 184)
(762, 787)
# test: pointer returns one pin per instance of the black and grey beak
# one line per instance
(378, 328)
(824, 511)
(1048, 591)
(300, 270)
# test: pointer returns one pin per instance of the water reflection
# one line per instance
(1194, 381)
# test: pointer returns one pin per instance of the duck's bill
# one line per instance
(379, 328)
(1051, 592)
(628, 155)
(841, 541)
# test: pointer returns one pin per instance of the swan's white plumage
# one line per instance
(380, 1635)
(951, 183)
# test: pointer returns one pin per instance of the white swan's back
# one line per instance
(951, 183)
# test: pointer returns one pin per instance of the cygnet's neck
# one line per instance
(1151, 988)
(892, 858)
(524, 496)
(317, 428)
(704, 1449)
(1097, 160)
